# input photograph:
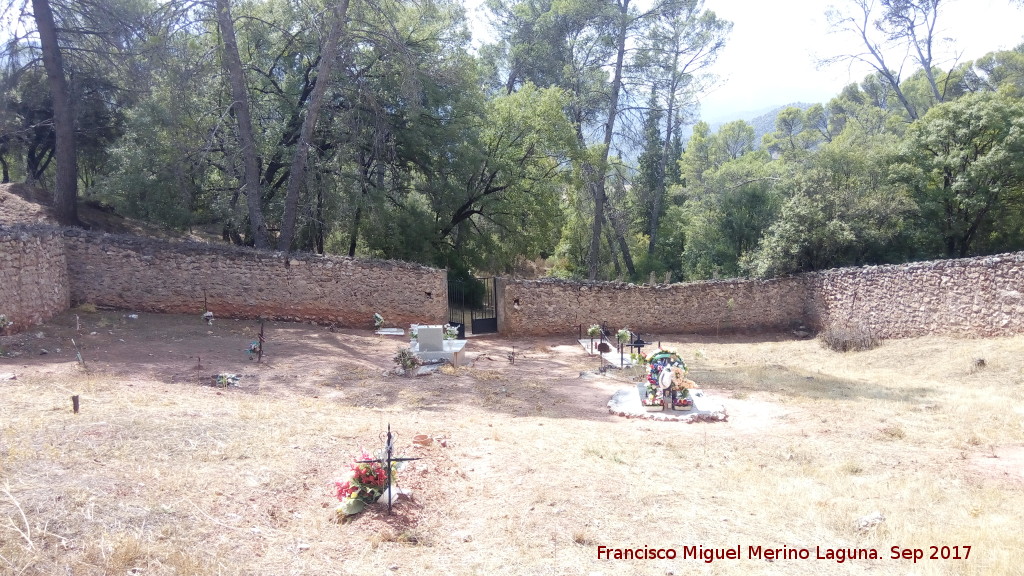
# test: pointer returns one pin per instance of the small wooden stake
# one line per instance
(74, 403)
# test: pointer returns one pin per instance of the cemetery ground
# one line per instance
(915, 444)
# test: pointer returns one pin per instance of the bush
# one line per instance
(406, 359)
(849, 338)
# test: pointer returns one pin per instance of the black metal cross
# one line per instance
(389, 447)
(638, 344)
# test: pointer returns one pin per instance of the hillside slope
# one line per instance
(24, 204)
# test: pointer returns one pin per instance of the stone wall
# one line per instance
(967, 297)
(558, 307)
(33, 275)
(184, 277)
(43, 270)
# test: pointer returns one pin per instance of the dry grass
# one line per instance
(160, 476)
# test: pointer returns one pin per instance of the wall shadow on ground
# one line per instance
(552, 377)
(344, 366)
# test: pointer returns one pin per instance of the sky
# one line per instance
(772, 54)
(771, 57)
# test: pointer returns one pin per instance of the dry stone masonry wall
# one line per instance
(33, 275)
(557, 307)
(43, 270)
(969, 297)
(184, 277)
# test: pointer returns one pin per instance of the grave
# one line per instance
(430, 345)
(706, 408)
(664, 393)
(613, 354)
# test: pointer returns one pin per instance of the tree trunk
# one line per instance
(319, 221)
(596, 174)
(246, 139)
(591, 175)
(65, 196)
(619, 232)
(659, 188)
(615, 257)
(298, 168)
(353, 237)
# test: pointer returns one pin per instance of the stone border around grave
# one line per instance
(620, 406)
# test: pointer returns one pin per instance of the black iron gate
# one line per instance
(485, 317)
(477, 296)
(457, 306)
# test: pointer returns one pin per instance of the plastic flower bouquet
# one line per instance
(366, 482)
(451, 332)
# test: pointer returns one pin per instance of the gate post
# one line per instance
(499, 296)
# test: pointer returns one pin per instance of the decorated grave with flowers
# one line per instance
(372, 479)
(598, 341)
(665, 393)
(437, 343)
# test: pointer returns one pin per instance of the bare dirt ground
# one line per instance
(163, 473)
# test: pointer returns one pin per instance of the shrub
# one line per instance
(849, 338)
(406, 359)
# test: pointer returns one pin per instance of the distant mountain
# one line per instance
(763, 122)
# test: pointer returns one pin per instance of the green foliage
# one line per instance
(472, 288)
(727, 216)
(406, 359)
(700, 155)
(570, 257)
(840, 211)
(429, 152)
(1002, 70)
(964, 162)
(649, 170)
(734, 139)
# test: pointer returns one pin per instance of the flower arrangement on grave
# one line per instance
(451, 332)
(623, 335)
(4, 323)
(378, 321)
(594, 331)
(680, 389)
(366, 482)
(661, 385)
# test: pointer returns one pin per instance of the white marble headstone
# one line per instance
(431, 338)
